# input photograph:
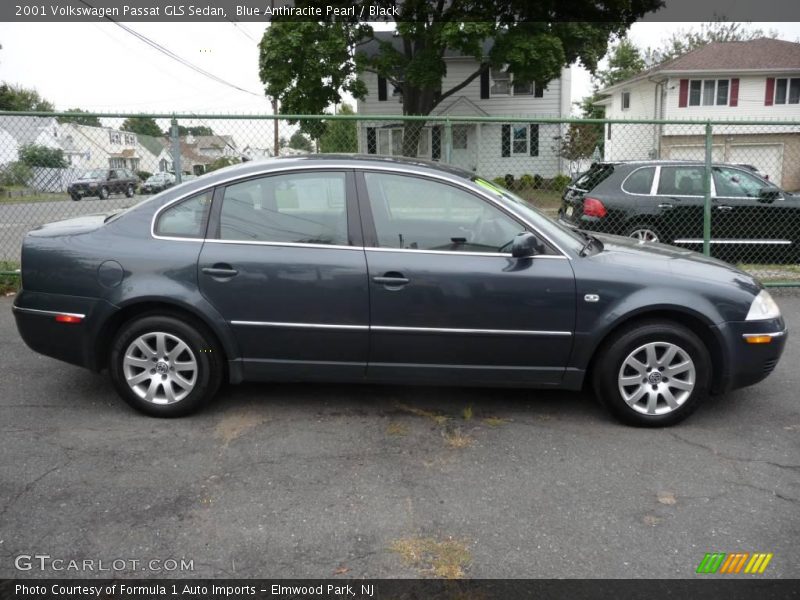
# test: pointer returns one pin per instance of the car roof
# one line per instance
(667, 161)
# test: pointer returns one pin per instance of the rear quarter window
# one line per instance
(596, 175)
(639, 181)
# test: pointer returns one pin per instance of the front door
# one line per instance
(286, 269)
(448, 303)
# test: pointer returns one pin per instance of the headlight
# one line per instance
(763, 307)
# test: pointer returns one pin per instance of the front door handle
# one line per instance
(391, 279)
(665, 205)
(724, 207)
(220, 270)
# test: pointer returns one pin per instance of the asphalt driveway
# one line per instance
(367, 481)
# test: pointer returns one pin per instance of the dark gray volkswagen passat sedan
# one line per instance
(347, 268)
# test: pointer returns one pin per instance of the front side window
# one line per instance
(733, 183)
(186, 219)
(419, 214)
(681, 181)
(307, 208)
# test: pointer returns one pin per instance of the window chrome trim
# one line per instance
(398, 329)
(287, 325)
(287, 244)
(458, 182)
(456, 253)
(49, 313)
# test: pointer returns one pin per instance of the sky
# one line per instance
(102, 67)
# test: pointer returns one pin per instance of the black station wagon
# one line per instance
(363, 269)
(663, 201)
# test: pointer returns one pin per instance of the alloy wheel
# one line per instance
(160, 368)
(644, 235)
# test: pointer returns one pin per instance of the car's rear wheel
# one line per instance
(653, 373)
(644, 232)
(75, 197)
(129, 191)
(103, 193)
(164, 366)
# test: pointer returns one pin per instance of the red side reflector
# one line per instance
(68, 319)
(592, 207)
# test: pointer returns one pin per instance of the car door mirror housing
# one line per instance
(526, 245)
(768, 194)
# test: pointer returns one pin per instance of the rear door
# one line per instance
(285, 266)
(448, 303)
(680, 199)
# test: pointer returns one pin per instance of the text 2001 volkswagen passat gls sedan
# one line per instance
(339, 268)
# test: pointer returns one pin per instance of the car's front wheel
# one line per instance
(653, 373)
(165, 366)
(103, 193)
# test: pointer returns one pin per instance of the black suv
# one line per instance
(104, 182)
(662, 201)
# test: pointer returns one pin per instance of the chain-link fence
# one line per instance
(724, 188)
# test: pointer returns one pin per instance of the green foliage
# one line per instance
(340, 136)
(527, 181)
(298, 141)
(222, 162)
(14, 97)
(560, 182)
(142, 125)
(308, 66)
(500, 181)
(15, 173)
(143, 175)
(624, 61)
(9, 284)
(35, 155)
(80, 118)
(196, 130)
(580, 141)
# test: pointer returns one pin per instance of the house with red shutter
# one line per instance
(491, 149)
(752, 80)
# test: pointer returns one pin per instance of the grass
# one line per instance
(5, 198)
(546, 200)
(772, 272)
(437, 418)
(397, 429)
(446, 559)
(9, 284)
(456, 439)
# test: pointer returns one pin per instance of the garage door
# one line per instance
(767, 158)
(694, 153)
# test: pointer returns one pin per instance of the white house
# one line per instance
(90, 147)
(16, 132)
(753, 80)
(491, 149)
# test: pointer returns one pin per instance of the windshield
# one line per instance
(94, 174)
(560, 233)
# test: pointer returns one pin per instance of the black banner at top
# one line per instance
(378, 10)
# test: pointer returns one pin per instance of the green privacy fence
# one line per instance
(730, 197)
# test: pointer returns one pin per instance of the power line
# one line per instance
(172, 55)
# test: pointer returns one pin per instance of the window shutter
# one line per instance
(535, 140)
(485, 83)
(769, 95)
(538, 90)
(372, 141)
(436, 142)
(683, 94)
(381, 88)
(734, 92)
(505, 142)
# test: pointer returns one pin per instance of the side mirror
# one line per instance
(526, 245)
(768, 194)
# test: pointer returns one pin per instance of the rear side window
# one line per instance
(186, 219)
(681, 181)
(304, 208)
(640, 181)
(596, 175)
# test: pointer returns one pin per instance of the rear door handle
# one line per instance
(391, 279)
(724, 207)
(220, 271)
(665, 205)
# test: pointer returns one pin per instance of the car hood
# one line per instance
(73, 226)
(654, 260)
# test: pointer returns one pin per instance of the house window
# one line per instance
(114, 137)
(787, 91)
(116, 163)
(390, 142)
(460, 137)
(397, 89)
(503, 84)
(519, 139)
(626, 100)
(523, 89)
(708, 92)
(130, 139)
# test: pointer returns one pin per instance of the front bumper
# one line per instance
(749, 363)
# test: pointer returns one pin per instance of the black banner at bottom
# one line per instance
(400, 589)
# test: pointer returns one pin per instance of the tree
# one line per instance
(307, 66)
(142, 126)
(18, 98)
(35, 155)
(340, 136)
(686, 40)
(221, 162)
(196, 130)
(299, 141)
(624, 61)
(80, 118)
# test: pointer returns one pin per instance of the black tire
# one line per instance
(129, 191)
(103, 193)
(75, 197)
(634, 230)
(204, 351)
(612, 355)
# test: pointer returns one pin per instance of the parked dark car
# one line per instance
(104, 182)
(663, 201)
(362, 269)
(157, 182)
